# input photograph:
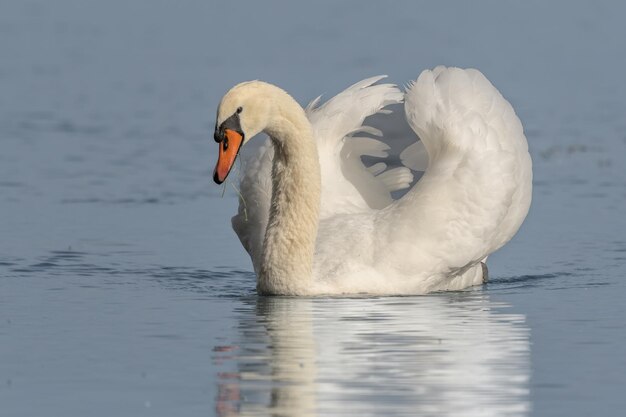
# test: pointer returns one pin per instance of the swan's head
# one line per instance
(243, 112)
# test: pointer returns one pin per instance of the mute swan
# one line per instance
(315, 220)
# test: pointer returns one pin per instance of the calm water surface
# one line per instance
(124, 292)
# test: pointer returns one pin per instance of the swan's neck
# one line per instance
(291, 232)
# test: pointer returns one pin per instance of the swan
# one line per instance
(316, 220)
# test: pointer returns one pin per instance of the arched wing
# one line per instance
(476, 190)
(348, 185)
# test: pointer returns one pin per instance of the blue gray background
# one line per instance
(124, 292)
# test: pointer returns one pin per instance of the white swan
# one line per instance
(316, 220)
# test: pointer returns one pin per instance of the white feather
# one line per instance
(471, 200)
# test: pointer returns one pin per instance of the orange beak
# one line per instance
(229, 149)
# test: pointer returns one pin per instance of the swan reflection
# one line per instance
(449, 354)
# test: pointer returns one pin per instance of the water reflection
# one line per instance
(451, 354)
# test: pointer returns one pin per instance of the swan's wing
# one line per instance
(349, 186)
(476, 190)
(255, 192)
(415, 156)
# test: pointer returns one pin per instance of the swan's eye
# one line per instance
(239, 109)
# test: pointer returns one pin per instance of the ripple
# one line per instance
(48, 122)
(526, 278)
(68, 254)
(222, 282)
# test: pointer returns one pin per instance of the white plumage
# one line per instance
(472, 198)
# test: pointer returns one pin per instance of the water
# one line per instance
(123, 290)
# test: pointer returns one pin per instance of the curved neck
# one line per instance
(291, 232)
